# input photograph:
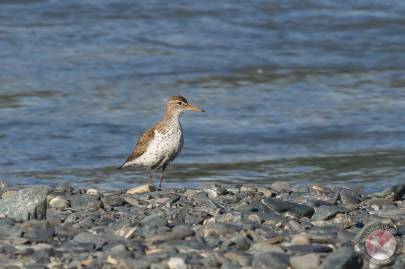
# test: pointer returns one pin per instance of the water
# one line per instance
(304, 91)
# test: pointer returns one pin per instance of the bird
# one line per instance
(161, 144)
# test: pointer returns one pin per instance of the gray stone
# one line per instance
(87, 237)
(265, 247)
(119, 251)
(179, 233)
(213, 189)
(28, 204)
(38, 231)
(281, 186)
(280, 206)
(64, 187)
(218, 229)
(342, 258)
(308, 261)
(157, 219)
(158, 266)
(6, 225)
(350, 196)
(313, 248)
(271, 260)
(300, 239)
(113, 200)
(85, 201)
(396, 192)
(327, 212)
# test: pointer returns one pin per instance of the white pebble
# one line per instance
(92, 192)
(176, 263)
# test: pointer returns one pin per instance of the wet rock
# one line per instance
(281, 186)
(295, 209)
(85, 201)
(59, 203)
(308, 261)
(29, 203)
(342, 258)
(273, 259)
(327, 212)
(142, 189)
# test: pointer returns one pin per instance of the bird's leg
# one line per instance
(161, 175)
(150, 176)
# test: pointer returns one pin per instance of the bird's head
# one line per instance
(178, 104)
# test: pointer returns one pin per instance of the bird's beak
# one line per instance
(195, 108)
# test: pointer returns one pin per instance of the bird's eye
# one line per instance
(179, 103)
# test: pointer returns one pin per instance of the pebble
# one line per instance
(79, 201)
(141, 189)
(300, 239)
(298, 210)
(281, 186)
(342, 258)
(265, 247)
(245, 226)
(271, 259)
(126, 231)
(176, 263)
(92, 192)
(327, 212)
(308, 261)
(59, 203)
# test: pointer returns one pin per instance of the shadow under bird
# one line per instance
(161, 144)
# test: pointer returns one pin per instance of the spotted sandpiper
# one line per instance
(161, 144)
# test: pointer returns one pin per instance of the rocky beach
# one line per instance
(214, 226)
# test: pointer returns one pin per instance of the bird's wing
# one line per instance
(141, 145)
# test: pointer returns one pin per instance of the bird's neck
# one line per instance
(171, 120)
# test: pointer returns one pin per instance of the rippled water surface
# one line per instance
(305, 91)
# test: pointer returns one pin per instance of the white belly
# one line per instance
(162, 149)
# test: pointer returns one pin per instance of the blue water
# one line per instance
(304, 91)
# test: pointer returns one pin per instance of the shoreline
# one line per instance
(237, 226)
